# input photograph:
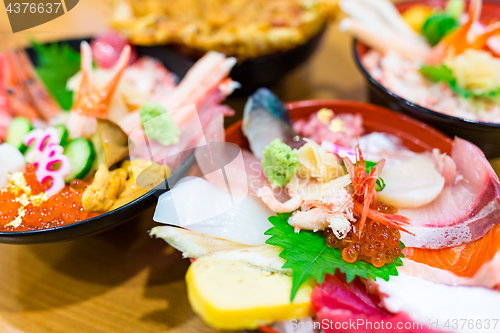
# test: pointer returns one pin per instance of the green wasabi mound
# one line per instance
(279, 163)
(158, 125)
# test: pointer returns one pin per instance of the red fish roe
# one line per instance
(60, 209)
(378, 245)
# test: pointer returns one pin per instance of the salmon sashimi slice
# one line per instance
(462, 260)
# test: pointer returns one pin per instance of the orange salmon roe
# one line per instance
(378, 245)
(60, 209)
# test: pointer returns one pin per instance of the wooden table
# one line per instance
(122, 280)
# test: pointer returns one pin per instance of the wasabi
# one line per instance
(279, 163)
(158, 125)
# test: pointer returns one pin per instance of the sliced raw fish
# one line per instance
(428, 302)
(197, 205)
(464, 211)
(462, 260)
(265, 118)
(348, 307)
(488, 275)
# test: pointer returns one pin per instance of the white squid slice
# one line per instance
(197, 205)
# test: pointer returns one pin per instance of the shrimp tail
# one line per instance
(88, 102)
(119, 68)
(267, 196)
(393, 221)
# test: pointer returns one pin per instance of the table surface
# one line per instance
(122, 280)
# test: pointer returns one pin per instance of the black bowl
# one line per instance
(102, 222)
(485, 135)
(263, 71)
(99, 223)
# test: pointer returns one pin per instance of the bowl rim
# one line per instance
(436, 114)
(290, 106)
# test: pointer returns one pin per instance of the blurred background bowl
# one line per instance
(485, 135)
(253, 73)
(106, 220)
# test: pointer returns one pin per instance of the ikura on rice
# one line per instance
(66, 127)
(355, 232)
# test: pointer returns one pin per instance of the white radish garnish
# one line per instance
(412, 183)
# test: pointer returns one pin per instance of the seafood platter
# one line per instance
(313, 216)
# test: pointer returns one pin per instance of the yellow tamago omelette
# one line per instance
(230, 294)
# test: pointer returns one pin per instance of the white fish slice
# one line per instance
(197, 205)
(196, 245)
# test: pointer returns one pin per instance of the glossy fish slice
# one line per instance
(265, 118)
(462, 260)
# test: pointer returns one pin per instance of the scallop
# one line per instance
(412, 183)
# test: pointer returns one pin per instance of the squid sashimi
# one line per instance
(197, 205)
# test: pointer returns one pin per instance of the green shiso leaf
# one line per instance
(308, 255)
(56, 64)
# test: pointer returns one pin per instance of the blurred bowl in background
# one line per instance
(486, 135)
(253, 73)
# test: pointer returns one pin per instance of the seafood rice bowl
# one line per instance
(338, 214)
(83, 134)
(445, 59)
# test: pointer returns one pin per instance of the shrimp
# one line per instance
(26, 95)
(267, 196)
(88, 101)
(334, 211)
(18, 98)
(46, 106)
(461, 39)
(5, 115)
(365, 195)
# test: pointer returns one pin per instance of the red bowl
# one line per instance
(485, 135)
(416, 135)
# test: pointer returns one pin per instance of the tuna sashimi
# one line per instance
(464, 211)
(348, 307)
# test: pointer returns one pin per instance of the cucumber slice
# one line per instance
(17, 130)
(63, 134)
(81, 155)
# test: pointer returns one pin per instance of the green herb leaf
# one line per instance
(56, 64)
(442, 73)
(439, 25)
(380, 184)
(308, 255)
(439, 73)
